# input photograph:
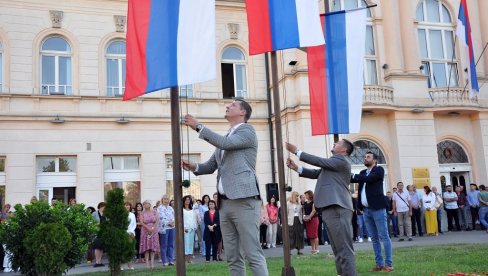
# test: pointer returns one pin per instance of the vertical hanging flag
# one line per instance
(169, 43)
(335, 73)
(282, 24)
(463, 31)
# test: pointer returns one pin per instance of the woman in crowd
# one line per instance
(428, 202)
(172, 203)
(138, 212)
(149, 243)
(215, 197)
(131, 228)
(190, 224)
(212, 234)
(203, 208)
(33, 199)
(263, 228)
(166, 230)
(295, 223)
(97, 243)
(311, 221)
(272, 209)
(72, 201)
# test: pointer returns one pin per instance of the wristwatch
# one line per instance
(198, 127)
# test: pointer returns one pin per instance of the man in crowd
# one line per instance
(439, 205)
(372, 202)
(450, 200)
(474, 204)
(332, 195)
(402, 208)
(461, 202)
(391, 216)
(416, 210)
(483, 198)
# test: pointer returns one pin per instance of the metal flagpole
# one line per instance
(288, 270)
(177, 183)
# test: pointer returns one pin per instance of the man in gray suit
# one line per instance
(333, 197)
(239, 200)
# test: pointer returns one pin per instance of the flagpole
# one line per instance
(288, 270)
(327, 9)
(177, 192)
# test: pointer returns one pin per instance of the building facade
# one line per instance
(65, 131)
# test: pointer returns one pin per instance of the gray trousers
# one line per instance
(239, 222)
(339, 227)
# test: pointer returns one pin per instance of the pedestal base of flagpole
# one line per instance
(288, 271)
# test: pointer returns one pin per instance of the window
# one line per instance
(56, 67)
(370, 72)
(451, 152)
(123, 172)
(186, 91)
(56, 177)
(56, 164)
(115, 59)
(1, 67)
(195, 186)
(436, 40)
(234, 80)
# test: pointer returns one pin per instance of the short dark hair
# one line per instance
(349, 146)
(375, 157)
(100, 205)
(482, 187)
(191, 201)
(310, 194)
(247, 107)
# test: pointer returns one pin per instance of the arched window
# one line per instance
(361, 147)
(1, 66)
(370, 72)
(115, 59)
(234, 80)
(451, 152)
(436, 44)
(56, 67)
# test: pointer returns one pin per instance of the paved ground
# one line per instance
(446, 238)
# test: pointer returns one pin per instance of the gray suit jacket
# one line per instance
(333, 179)
(237, 168)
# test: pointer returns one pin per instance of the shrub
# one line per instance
(77, 221)
(48, 243)
(119, 246)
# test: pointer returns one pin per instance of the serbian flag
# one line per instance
(282, 24)
(463, 32)
(335, 74)
(169, 43)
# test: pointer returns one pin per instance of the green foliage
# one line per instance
(75, 219)
(120, 247)
(48, 243)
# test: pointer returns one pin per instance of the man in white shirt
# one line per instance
(450, 200)
(402, 208)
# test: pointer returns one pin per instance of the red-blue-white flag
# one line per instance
(169, 43)
(283, 24)
(335, 74)
(463, 32)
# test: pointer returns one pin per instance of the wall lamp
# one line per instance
(368, 112)
(421, 67)
(122, 121)
(417, 110)
(57, 120)
(292, 63)
(385, 66)
(453, 113)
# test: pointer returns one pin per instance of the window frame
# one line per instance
(449, 60)
(120, 70)
(244, 93)
(56, 164)
(186, 91)
(56, 55)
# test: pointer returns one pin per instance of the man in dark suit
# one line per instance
(239, 201)
(371, 200)
(332, 195)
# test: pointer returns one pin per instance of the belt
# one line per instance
(224, 197)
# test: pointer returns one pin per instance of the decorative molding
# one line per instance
(120, 21)
(56, 18)
(233, 30)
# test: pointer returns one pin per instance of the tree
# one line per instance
(30, 220)
(120, 247)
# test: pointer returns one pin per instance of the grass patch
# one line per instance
(417, 261)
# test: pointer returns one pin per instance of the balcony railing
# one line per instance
(452, 96)
(378, 95)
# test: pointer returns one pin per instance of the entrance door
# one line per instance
(460, 179)
(64, 193)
